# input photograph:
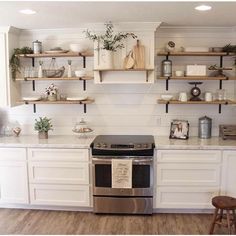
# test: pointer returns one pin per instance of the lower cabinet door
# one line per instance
(229, 174)
(60, 195)
(13, 182)
(185, 197)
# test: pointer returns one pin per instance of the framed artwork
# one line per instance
(179, 129)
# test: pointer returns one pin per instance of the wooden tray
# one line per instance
(227, 132)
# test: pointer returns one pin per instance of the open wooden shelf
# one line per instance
(59, 102)
(197, 78)
(61, 78)
(161, 101)
(87, 101)
(210, 54)
(146, 70)
(33, 79)
(176, 102)
(68, 54)
(124, 69)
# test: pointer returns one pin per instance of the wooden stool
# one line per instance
(224, 203)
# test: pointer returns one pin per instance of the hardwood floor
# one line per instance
(14, 221)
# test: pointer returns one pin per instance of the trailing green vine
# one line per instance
(15, 60)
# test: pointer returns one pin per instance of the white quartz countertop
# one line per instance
(72, 141)
(213, 143)
(54, 141)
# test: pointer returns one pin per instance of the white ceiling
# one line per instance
(73, 14)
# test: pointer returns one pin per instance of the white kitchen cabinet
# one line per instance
(60, 195)
(58, 172)
(10, 90)
(13, 176)
(59, 177)
(178, 197)
(186, 179)
(229, 174)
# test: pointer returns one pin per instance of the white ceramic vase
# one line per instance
(69, 72)
(40, 72)
(106, 59)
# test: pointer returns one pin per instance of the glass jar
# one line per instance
(221, 94)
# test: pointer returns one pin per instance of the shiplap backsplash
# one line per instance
(129, 108)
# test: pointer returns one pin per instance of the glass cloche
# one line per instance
(81, 127)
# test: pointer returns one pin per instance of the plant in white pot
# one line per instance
(43, 125)
(108, 43)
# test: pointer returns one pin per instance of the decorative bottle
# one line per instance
(69, 72)
(40, 71)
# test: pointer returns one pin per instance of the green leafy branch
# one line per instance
(109, 40)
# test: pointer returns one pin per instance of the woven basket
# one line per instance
(54, 73)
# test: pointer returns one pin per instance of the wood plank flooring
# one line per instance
(14, 221)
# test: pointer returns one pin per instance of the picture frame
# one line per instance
(179, 129)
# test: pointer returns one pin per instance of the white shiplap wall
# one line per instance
(129, 109)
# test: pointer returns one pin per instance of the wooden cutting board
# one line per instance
(139, 56)
(129, 61)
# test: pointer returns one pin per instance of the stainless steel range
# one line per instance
(136, 150)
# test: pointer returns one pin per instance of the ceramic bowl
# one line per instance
(179, 73)
(80, 73)
(78, 47)
(166, 97)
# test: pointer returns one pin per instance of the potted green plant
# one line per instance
(15, 60)
(43, 125)
(108, 43)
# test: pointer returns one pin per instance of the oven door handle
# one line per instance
(136, 161)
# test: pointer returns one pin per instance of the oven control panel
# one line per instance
(122, 146)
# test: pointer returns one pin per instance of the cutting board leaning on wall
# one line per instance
(139, 55)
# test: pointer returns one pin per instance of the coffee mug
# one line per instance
(208, 97)
(179, 73)
(183, 97)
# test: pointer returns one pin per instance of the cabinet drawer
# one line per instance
(12, 154)
(59, 172)
(185, 197)
(59, 195)
(188, 174)
(58, 154)
(188, 156)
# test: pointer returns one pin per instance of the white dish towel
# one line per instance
(121, 173)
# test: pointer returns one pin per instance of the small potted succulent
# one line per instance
(43, 125)
(51, 92)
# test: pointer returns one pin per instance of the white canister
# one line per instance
(37, 47)
(179, 73)
(208, 97)
(183, 97)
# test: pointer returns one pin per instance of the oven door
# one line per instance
(142, 177)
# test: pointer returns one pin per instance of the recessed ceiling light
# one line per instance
(27, 11)
(203, 8)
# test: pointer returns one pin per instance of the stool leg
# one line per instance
(228, 221)
(234, 220)
(221, 216)
(213, 221)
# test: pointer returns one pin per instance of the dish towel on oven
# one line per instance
(121, 173)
